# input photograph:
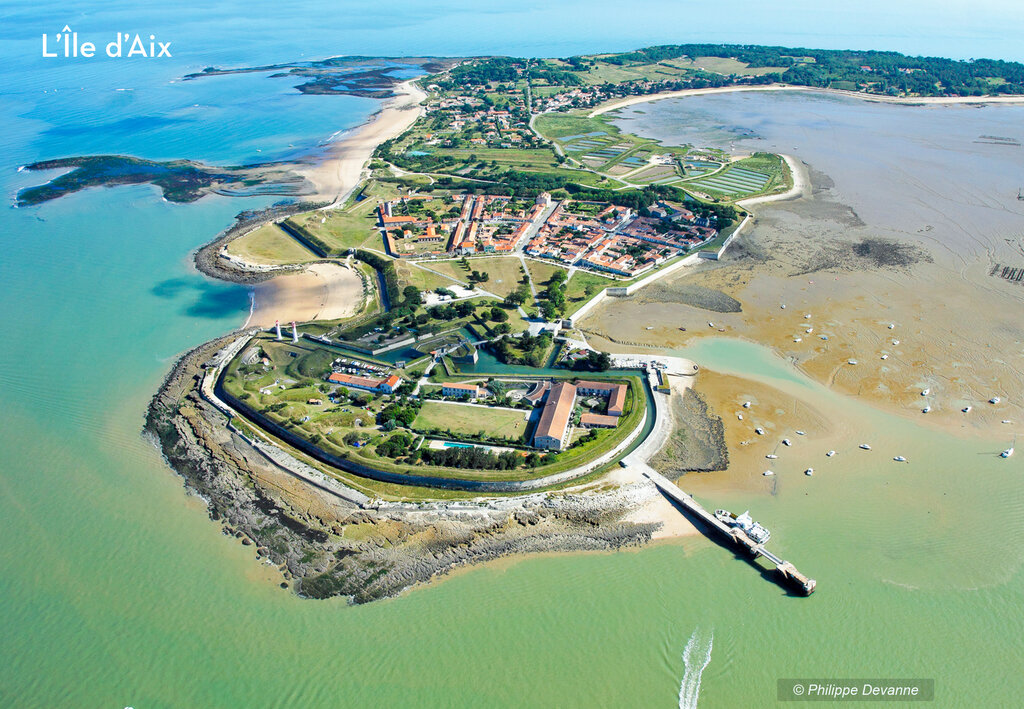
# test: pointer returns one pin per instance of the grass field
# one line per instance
(541, 272)
(723, 65)
(269, 245)
(505, 272)
(613, 73)
(353, 227)
(460, 418)
(576, 293)
(510, 157)
(422, 279)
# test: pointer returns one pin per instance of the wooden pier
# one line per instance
(789, 576)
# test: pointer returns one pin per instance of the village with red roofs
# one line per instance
(598, 236)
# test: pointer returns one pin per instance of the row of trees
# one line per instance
(401, 445)
(824, 67)
(553, 300)
(478, 459)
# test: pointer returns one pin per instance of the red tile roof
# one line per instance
(557, 410)
(599, 420)
(615, 392)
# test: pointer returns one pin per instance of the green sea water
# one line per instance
(116, 590)
(128, 596)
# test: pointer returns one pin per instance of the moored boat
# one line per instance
(752, 529)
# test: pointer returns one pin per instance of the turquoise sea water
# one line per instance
(115, 589)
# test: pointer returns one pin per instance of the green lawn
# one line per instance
(576, 293)
(560, 125)
(469, 420)
(508, 157)
(344, 230)
(722, 65)
(542, 272)
(270, 245)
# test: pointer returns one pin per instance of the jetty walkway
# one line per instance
(789, 576)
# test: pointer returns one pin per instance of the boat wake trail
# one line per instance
(252, 308)
(696, 657)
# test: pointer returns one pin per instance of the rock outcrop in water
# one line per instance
(179, 180)
(345, 76)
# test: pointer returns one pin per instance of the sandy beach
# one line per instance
(341, 170)
(923, 100)
(801, 185)
(324, 291)
(328, 291)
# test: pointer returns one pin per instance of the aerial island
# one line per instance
(442, 398)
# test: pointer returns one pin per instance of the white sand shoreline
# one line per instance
(801, 185)
(322, 291)
(923, 100)
(341, 171)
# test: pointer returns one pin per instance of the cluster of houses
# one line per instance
(462, 116)
(589, 96)
(602, 237)
(483, 224)
(686, 231)
(614, 240)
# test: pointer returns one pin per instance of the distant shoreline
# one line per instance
(878, 98)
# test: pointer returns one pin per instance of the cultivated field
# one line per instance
(421, 278)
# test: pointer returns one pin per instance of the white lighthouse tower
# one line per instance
(295, 333)
(277, 327)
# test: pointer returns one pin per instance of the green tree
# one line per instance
(412, 296)
(515, 298)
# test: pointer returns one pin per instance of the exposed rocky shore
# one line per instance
(326, 546)
(367, 77)
(697, 443)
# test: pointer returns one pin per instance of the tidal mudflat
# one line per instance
(883, 283)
